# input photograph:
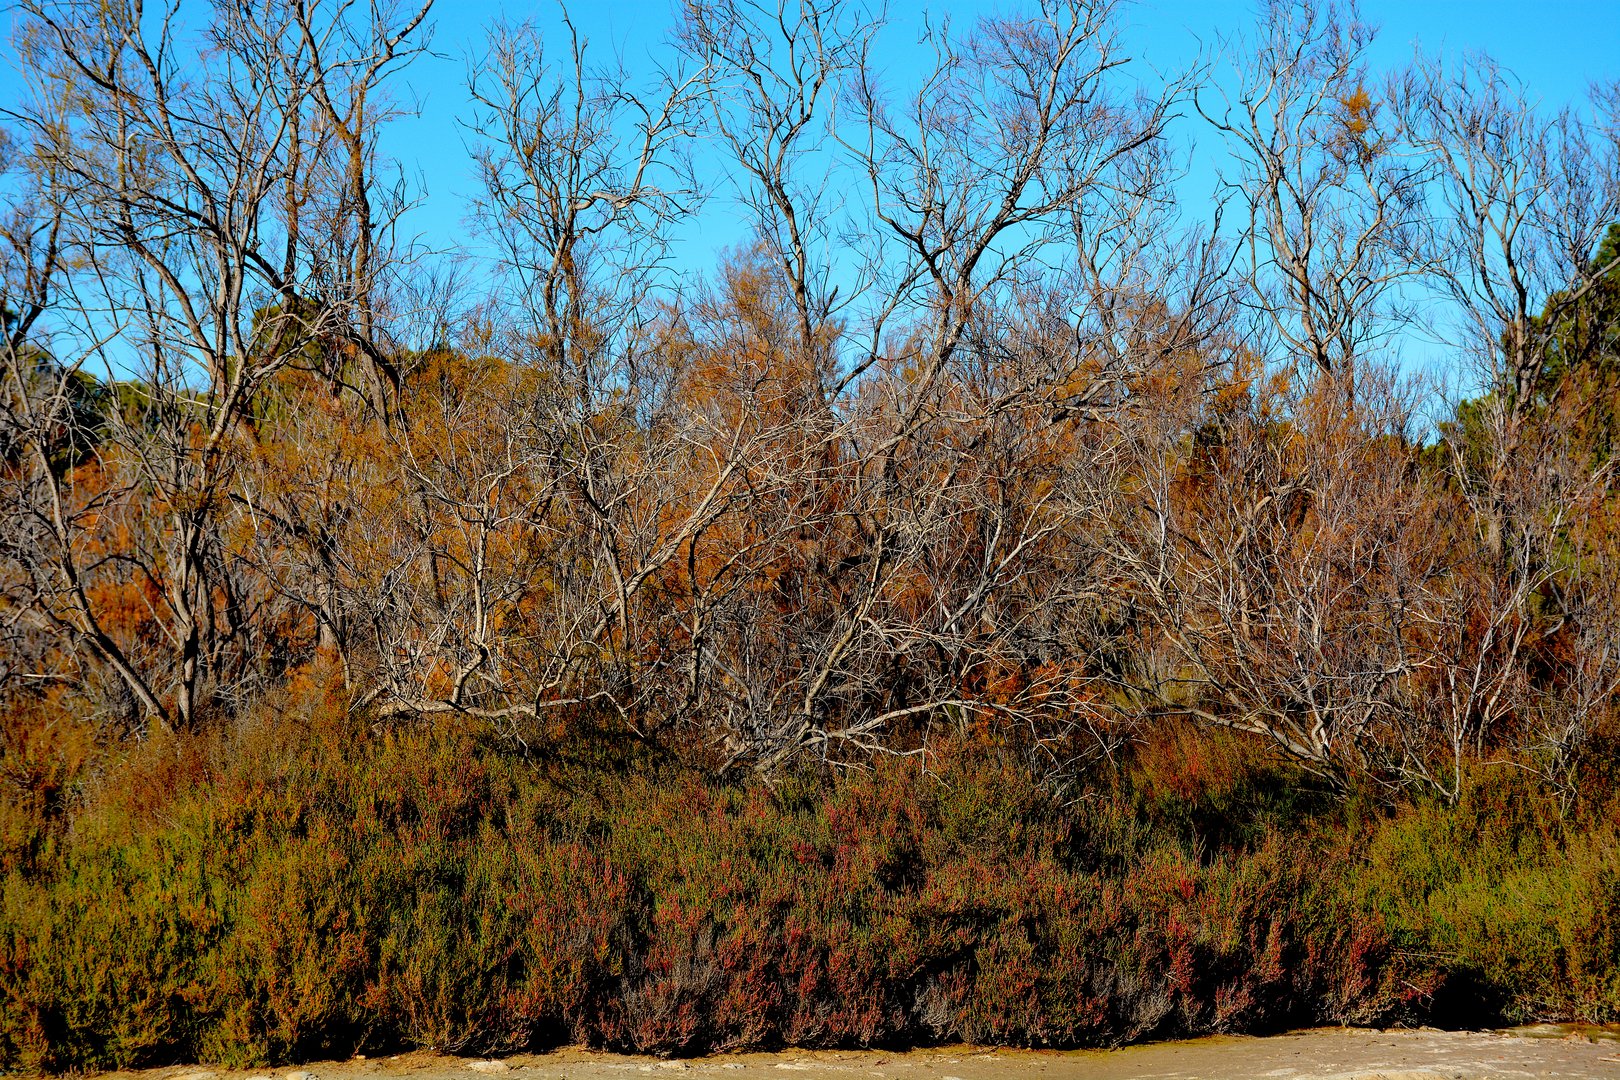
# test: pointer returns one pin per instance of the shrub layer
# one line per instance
(298, 891)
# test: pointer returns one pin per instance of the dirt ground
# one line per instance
(1324, 1054)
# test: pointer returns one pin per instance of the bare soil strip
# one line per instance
(1324, 1054)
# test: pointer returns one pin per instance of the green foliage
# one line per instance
(1583, 331)
(296, 890)
(1578, 337)
(1507, 896)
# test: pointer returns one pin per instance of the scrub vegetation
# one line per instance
(1006, 600)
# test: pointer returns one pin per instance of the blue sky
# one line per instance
(1557, 52)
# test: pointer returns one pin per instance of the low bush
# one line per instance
(310, 887)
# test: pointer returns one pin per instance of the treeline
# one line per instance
(991, 438)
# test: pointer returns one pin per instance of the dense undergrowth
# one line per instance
(308, 887)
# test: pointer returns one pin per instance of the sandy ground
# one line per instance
(1327, 1054)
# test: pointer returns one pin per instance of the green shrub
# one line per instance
(309, 888)
(1506, 897)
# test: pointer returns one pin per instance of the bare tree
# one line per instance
(1517, 206)
(581, 178)
(1277, 570)
(349, 58)
(777, 71)
(1520, 201)
(181, 185)
(1326, 200)
(973, 181)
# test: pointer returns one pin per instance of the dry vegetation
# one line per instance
(989, 606)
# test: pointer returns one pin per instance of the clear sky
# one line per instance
(1557, 48)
